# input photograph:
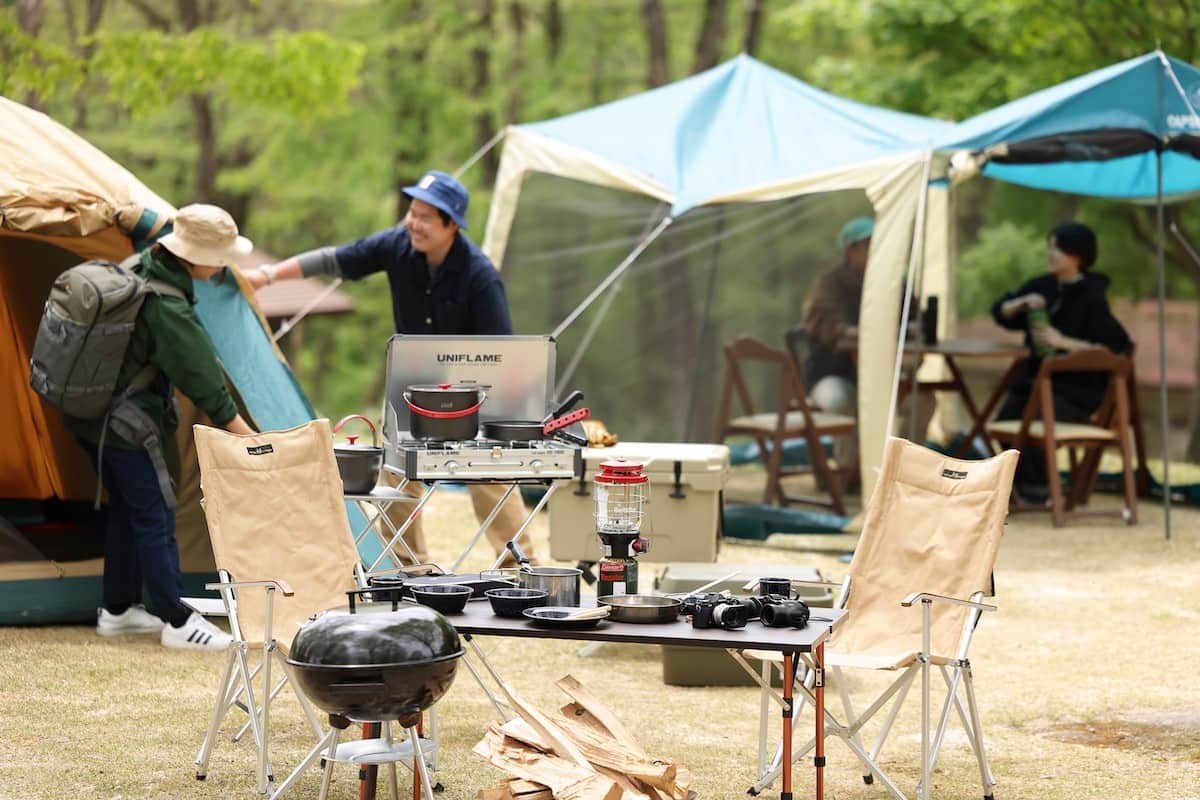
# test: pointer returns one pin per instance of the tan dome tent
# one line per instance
(63, 201)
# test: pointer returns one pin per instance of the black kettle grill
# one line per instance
(375, 666)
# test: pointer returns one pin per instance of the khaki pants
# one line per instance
(484, 497)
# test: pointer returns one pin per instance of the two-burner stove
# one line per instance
(486, 460)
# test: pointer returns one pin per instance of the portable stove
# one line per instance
(486, 460)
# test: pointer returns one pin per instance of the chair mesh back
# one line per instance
(932, 525)
(275, 511)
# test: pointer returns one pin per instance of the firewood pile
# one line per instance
(582, 753)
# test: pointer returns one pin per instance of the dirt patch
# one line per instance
(1178, 737)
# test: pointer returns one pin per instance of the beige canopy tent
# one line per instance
(744, 133)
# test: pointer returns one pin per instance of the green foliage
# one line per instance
(306, 75)
(1005, 256)
(32, 66)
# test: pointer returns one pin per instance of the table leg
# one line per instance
(979, 418)
(789, 679)
(819, 713)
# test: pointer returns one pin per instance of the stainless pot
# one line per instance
(358, 464)
(560, 583)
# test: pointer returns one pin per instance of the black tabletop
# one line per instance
(479, 620)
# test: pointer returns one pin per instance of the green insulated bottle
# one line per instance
(1038, 318)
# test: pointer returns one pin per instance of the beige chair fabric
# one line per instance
(933, 525)
(275, 511)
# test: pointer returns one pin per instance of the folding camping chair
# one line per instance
(1108, 427)
(791, 418)
(284, 551)
(930, 537)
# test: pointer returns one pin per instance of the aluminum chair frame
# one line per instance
(959, 698)
(241, 673)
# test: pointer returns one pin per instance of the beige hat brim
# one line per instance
(207, 256)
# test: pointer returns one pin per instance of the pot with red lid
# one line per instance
(443, 412)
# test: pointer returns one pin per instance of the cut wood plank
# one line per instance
(546, 728)
(604, 752)
(576, 691)
(522, 789)
(631, 789)
(532, 765)
(595, 787)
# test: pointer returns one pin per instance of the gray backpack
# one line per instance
(81, 341)
(83, 334)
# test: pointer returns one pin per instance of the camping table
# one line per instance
(952, 349)
(809, 642)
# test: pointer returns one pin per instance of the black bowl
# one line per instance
(513, 602)
(448, 598)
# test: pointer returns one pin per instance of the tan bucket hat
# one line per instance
(206, 235)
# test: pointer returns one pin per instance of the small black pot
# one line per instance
(444, 411)
(358, 464)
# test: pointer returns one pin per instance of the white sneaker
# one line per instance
(135, 619)
(195, 634)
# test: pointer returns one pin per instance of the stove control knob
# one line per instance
(451, 466)
(536, 465)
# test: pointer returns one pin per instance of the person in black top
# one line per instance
(441, 283)
(1075, 302)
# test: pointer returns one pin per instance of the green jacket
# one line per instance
(168, 335)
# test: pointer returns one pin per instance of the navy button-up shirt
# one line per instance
(464, 295)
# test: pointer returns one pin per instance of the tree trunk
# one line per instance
(1193, 444)
(554, 31)
(755, 11)
(30, 17)
(410, 150)
(712, 32)
(94, 13)
(658, 72)
(485, 126)
(516, 14)
(207, 162)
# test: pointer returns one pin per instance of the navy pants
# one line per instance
(139, 536)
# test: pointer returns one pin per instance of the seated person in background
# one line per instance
(831, 322)
(1073, 298)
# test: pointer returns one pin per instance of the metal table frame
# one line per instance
(807, 644)
(398, 493)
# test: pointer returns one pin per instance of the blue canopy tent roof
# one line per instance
(735, 127)
(1130, 131)
(1097, 134)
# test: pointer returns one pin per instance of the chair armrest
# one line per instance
(929, 597)
(281, 585)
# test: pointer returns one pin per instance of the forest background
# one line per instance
(305, 117)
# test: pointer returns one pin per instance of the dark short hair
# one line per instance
(1076, 239)
(445, 217)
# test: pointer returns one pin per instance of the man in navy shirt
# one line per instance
(441, 283)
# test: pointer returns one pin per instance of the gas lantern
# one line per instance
(622, 500)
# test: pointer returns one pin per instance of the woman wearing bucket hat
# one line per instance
(171, 350)
(1073, 306)
(441, 283)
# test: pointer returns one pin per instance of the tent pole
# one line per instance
(612, 276)
(704, 325)
(481, 152)
(918, 245)
(1162, 350)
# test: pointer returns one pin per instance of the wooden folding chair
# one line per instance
(792, 418)
(1108, 427)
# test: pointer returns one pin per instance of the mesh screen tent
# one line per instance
(648, 353)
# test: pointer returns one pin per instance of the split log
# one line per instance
(566, 780)
(575, 690)
(546, 729)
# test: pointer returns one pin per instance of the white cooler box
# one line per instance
(686, 481)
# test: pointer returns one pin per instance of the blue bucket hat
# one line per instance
(443, 192)
(855, 230)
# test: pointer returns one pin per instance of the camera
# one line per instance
(712, 610)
